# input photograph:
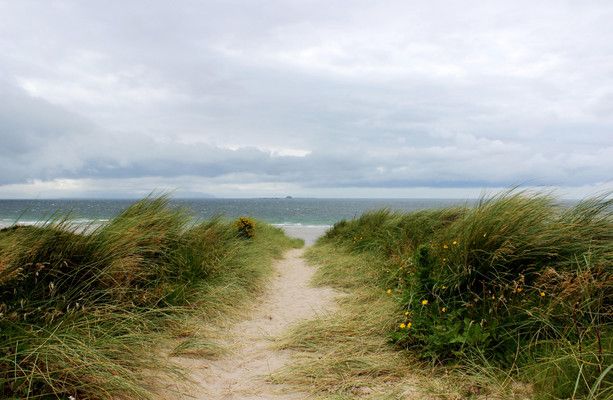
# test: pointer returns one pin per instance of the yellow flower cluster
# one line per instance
(455, 243)
(245, 227)
(408, 325)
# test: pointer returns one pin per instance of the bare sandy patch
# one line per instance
(243, 373)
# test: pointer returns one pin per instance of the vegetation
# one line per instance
(515, 288)
(80, 308)
(347, 354)
(246, 227)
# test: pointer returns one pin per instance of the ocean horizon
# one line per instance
(277, 211)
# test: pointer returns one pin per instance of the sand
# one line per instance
(309, 233)
(243, 373)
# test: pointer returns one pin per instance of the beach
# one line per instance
(308, 233)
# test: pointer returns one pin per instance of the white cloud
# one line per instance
(314, 96)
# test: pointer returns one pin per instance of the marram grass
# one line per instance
(515, 295)
(347, 354)
(81, 311)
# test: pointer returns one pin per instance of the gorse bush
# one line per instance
(245, 227)
(78, 306)
(515, 280)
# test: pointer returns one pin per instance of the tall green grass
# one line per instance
(81, 308)
(516, 284)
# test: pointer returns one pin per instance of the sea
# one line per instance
(302, 217)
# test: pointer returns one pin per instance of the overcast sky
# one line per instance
(308, 98)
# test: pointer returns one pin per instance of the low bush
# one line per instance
(245, 227)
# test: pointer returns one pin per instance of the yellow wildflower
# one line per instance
(409, 325)
(424, 302)
(542, 294)
(403, 325)
(406, 313)
(455, 242)
(445, 246)
(444, 309)
(388, 291)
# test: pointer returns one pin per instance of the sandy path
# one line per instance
(242, 374)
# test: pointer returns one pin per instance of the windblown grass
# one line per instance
(81, 312)
(516, 288)
(347, 354)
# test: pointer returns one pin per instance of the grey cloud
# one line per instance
(386, 95)
(27, 123)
